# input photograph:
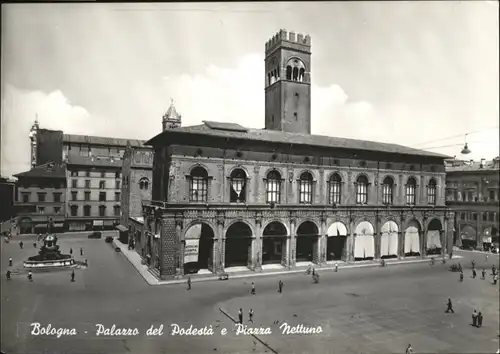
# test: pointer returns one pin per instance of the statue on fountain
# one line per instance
(50, 250)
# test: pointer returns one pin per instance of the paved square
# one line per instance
(364, 310)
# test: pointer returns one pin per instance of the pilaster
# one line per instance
(322, 240)
(350, 240)
(293, 242)
(181, 245)
(423, 238)
(257, 244)
(377, 236)
(219, 248)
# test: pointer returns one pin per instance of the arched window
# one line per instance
(302, 72)
(116, 210)
(334, 189)
(362, 190)
(86, 210)
(305, 188)
(387, 191)
(144, 183)
(411, 186)
(238, 186)
(431, 192)
(273, 187)
(198, 189)
(102, 210)
(295, 74)
(288, 72)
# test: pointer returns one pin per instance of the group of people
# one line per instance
(240, 316)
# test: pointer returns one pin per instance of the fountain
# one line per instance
(49, 256)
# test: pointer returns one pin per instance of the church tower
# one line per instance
(171, 119)
(288, 83)
(33, 135)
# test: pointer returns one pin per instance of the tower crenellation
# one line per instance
(290, 37)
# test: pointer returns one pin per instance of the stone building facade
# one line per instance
(225, 195)
(40, 203)
(472, 192)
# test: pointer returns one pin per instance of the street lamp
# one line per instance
(466, 149)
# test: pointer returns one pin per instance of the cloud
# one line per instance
(231, 94)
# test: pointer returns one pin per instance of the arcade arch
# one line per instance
(199, 247)
(307, 241)
(389, 240)
(412, 239)
(274, 243)
(238, 244)
(434, 237)
(336, 242)
(468, 236)
(364, 243)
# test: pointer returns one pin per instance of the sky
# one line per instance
(420, 74)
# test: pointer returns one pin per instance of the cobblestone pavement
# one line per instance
(364, 310)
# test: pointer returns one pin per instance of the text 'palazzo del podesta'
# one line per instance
(225, 195)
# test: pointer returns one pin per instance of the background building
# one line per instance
(472, 192)
(225, 195)
(7, 198)
(41, 199)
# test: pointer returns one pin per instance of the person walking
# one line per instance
(479, 319)
(474, 273)
(81, 251)
(474, 318)
(409, 349)
(30, 276)
(10, 261)
(73, 275)
(34, 244)
(21, 244)
(280, 286)
(461, 276)
(240, 316)
(483, 273)
(449, 306)
(189, 283)
(71, 251)
(250, 315)
(253, 289)
(8, 274)
(473, 264)
(336, 267)
(495, 279)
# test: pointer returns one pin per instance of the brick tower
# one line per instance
(288, 83)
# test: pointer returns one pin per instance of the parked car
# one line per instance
(95, 234)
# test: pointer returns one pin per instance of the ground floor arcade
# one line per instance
(189, 245)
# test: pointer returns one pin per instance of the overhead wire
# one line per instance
(456, 136)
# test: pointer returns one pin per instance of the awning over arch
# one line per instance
(364, 228)
(194, 232)
(337, 229)
(389, 227)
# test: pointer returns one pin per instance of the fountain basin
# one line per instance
(56, 263)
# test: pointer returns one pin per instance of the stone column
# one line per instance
(378, 237)
(350, 241)
(423, 238)
(293, 243)
(181, 244)
(219, 247)
(323, 238)
(257, 245)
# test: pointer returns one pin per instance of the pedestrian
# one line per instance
(461, 276)
(493, 269)
(480, 319)
(495, 279)
(250, 315)
(483, 273)
(451, 254)
(70, 251)
(240, 316)
(474, 318)
(81, 251)
(8, 274)
(280, 286)
(253, 289)
(409, 349)
(336, 267)
(21, 244)
(449, 306)
(30, 276)
(473, 264)
(73, 275)
(10, 261)
(474, 273)
(460, 268)
(189, 283)
(34, 244)
(486, 257)
(314, 271)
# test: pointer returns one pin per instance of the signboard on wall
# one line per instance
(191, 250)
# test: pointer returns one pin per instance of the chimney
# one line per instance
(483, 162)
